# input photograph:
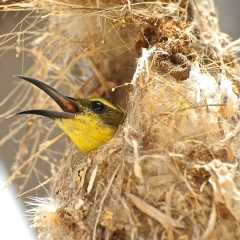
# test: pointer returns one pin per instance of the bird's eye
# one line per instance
(97, 107)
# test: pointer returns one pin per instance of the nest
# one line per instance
(171, 171)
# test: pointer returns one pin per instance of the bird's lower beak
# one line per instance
(47, 113)
(67, 104)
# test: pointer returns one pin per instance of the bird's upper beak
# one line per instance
(68, 105)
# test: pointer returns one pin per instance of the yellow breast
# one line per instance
(87, 131)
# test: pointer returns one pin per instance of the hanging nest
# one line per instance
(171, 171)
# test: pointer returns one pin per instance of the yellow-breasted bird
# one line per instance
(89, 123)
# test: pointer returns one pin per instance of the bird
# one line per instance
(88, 122)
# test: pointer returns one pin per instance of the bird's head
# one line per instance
(89, 122)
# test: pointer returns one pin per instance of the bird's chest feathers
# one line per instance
(88, 133)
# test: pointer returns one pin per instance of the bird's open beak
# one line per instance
(67, 104)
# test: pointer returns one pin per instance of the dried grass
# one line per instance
(171, 172)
